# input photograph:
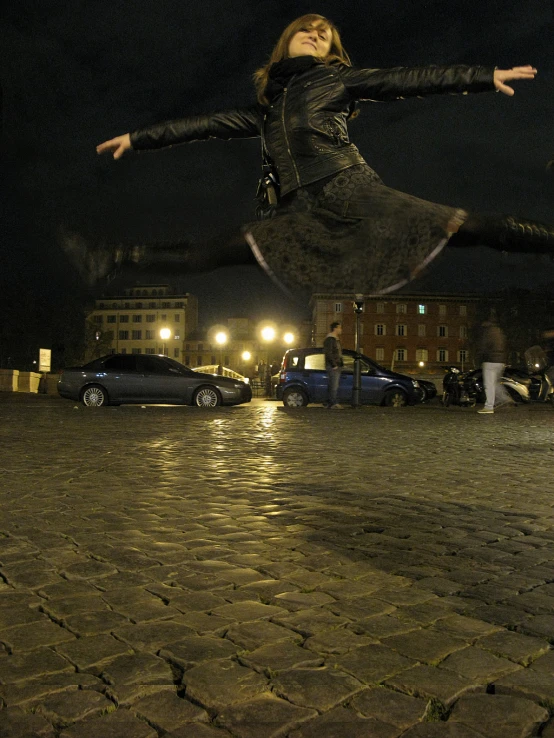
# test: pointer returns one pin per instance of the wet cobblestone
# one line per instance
(256, 571)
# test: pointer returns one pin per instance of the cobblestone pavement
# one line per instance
(261, 572)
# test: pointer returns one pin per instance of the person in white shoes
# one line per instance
(492, 353)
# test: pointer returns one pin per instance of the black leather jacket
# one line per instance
(306, 126)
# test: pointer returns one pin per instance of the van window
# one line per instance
(293, 361)
(314, 361)
(348, 367)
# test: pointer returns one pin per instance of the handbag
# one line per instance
(267, 194)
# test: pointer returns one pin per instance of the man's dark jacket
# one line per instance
(333, 352)
(306, 125)
(492, 344)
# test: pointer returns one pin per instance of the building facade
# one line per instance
(406, 332)
(145, 319)
(153, 319)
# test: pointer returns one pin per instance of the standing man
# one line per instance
(333, 364)
(492, 353)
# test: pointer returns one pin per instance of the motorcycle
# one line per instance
(532, 384)
(524, 385)
(459, 388)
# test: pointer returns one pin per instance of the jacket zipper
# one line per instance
(286, 136)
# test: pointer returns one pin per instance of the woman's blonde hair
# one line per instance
(281, 51)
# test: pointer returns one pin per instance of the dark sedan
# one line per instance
(138, 378)
(428, 389)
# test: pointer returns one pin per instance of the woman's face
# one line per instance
(311, 41)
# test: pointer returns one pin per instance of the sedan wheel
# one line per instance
(207, 397)
(94, 396)
(395, 398)
(295, 397)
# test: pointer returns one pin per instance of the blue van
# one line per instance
(303, 379)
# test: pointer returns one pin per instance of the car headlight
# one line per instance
(415, 383)
(239, 386)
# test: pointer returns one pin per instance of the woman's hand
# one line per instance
(118, 146)
(501, 76)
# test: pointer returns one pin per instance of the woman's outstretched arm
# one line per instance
(239, 123)
(399, 82)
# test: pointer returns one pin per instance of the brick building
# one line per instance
(407, 332)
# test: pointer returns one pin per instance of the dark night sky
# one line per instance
(76, 74)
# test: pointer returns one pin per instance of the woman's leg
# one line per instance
(97, 263)
(505, 233)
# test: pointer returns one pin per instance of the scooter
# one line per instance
(534, 384)
(459, 388)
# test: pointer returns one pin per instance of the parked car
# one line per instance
(428, 390)
(144, 378)
(303, 379)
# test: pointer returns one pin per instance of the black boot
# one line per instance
(505, 233)
(99, 264)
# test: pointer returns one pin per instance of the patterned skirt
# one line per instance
(350, 233)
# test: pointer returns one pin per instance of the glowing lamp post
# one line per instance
(357, 383)
(221, 339)
(165, 335)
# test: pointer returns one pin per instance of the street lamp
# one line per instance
(221, 339)
(357, 384)
(288, 338)
(165, 335)
(268, 333)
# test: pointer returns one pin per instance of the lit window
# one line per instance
(422, 309)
